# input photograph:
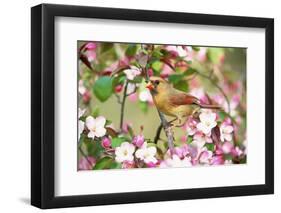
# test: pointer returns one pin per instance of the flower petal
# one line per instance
(100, 131)
(100, 121)
(90, 122)
(91, 134)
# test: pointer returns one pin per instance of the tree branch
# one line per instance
(123, 105)
(158, 133)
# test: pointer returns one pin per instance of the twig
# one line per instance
(168, 131)
(158, 133)
(123, 105)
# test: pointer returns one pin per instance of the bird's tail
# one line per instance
(210, 106)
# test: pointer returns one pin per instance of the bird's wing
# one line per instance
(183, 99)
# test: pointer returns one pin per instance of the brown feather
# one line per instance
(183, 99)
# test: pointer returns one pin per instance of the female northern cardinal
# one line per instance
(173, 102)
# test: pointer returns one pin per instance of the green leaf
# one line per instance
(116, 142)
(157, 65)
(189, 140)
(182, 85)
(222, 115)
(131, 50)
(175, 78)
(190, 71)
(103, 163)
(157, 54)
(210, 146)
(103, 88)
(94, 148)
(115, 165)
(120, 79)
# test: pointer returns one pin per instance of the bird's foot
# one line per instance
(179, 125)
(171, 123)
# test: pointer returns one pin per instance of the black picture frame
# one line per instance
(43, 105)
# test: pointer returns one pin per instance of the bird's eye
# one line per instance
(156, 82)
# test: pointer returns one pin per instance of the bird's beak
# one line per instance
(150, 86)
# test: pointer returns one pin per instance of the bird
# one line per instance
(173, 102)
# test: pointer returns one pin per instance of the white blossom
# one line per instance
(132, 72)
(226, 133)
(175, 161)
(145, 96)
(207, 122)
(147, 154)
(95, 126)
(125, 152)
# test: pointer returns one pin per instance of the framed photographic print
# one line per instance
(141, 106)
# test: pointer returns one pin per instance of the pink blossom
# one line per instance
(237, 151)
(183, 138)
(112, 67)
(145, 96)
(200, 139)
(202, 54)
(132, 72)
(133, 97)
(205, 156)
(218, 150)
(207, 122)
(106, 142)
(142, 59)
(181, 151)
(217, 160)
(91, 55)
(90, 46)
(125, 127)
(81, 88)
(227, 147)
(128, 164)
(86, 163)
(138, 140)
(166, 71)
(190, 126)
(226, 132)
(176, 162)
(86, 97)
(118, 88)
(219, 99)
(150, 72)
(125, 61)
(151, 165)
(193, 151)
